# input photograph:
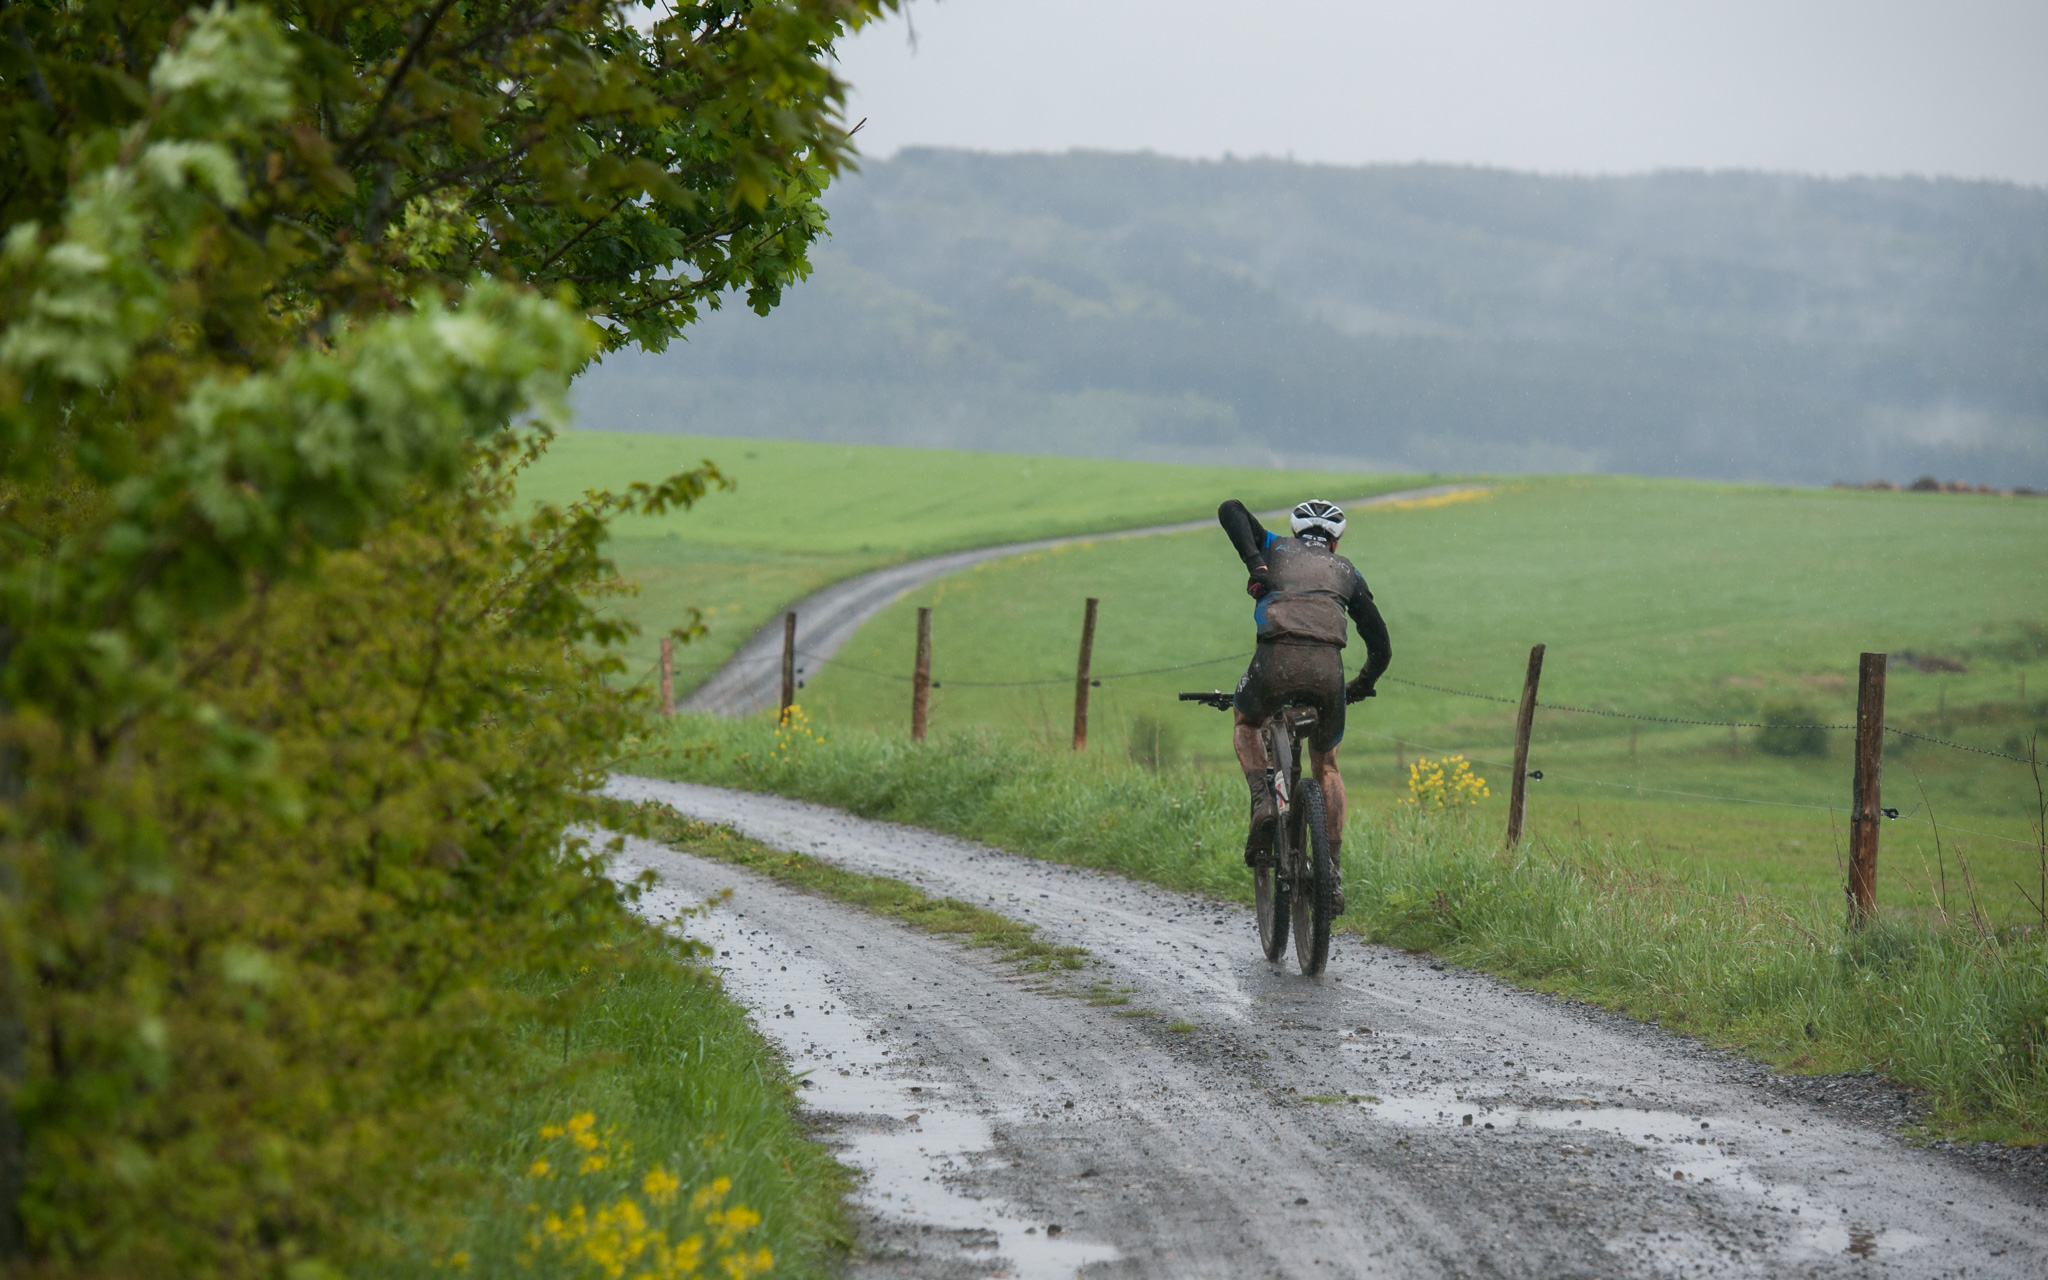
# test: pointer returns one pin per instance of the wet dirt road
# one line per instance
(1395, 1118)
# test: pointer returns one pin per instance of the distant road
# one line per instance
(825, 620)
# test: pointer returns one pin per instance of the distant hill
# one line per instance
(1726, 325)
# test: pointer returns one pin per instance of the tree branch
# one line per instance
(412, 52)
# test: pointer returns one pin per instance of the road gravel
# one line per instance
(1398, 1117)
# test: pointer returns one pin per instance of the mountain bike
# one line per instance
(1297, 890)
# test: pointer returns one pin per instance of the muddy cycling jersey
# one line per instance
(1309, 591)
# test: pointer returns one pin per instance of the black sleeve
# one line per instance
(1372, 629)
(1246, 533)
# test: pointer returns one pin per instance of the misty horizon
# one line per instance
(1415, 317)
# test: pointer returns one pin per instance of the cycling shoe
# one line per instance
(1258, 842)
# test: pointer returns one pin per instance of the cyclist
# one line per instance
(1304, 590)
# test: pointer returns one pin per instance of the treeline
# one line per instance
(295, 708)
(1430, 317)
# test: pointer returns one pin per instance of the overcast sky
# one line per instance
(1955, 88)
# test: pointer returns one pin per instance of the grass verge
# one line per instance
(1949, 1005)
(653, 1116)
(947, 917)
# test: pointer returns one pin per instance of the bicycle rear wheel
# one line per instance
(1315, 894)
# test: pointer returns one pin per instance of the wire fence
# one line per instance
(754, 668)
(1107, 678)
(1713, 724)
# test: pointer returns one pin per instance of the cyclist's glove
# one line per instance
(1259, 581)
(1354, 691)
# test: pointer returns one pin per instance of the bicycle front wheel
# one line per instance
(1315, 894)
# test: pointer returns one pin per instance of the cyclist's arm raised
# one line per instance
(1250, 539)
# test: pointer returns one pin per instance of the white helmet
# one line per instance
(1317, 518)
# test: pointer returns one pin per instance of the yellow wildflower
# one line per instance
(1444, 784)
(661, 1185)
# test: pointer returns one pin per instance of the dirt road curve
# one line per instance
(1394, 1119)
(826, 619)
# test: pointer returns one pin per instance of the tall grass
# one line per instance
(670, 1076)
(1948, 1007)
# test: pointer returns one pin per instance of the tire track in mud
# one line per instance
(1395, 1118)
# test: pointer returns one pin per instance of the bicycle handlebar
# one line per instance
(1214, 698)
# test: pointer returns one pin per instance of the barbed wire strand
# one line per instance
(1700, 795)
(1618, 715)
(1711, 724)
(1600, 782)
(1957, 746)
(940, 681)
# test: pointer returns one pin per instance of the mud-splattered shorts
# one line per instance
(1299, 675)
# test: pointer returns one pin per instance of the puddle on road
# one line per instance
(1676, 1146)
(906, 1134)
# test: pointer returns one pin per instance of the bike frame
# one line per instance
(1292, 894)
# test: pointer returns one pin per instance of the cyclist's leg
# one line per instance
(1251, 748)
(1252, 706)
(1322, 759)
(1332, 782)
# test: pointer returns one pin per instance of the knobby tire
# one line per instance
(1315, 901)
(1270, 891)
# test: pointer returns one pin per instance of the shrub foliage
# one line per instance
(294, 706)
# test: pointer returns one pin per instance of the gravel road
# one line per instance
(826, 619)
(1396, 1118)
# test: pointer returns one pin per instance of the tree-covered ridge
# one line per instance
(1728, 324)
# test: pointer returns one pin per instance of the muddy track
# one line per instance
(826, 619)
(1397, 1118)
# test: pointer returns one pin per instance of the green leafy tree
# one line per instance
(293, 706)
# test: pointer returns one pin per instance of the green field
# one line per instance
(1662, 598)
(805, 515)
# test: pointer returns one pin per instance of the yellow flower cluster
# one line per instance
(792, 735)
(1448, 783)
(592, 1153)
(616, 1241)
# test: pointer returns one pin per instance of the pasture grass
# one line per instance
(805, 515)
(1952, 1004)
(1662, 598)
(673, 1077)
(847, 499)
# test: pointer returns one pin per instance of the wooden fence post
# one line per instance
(921, 676)
(1525, 716)
(1866, 802)
(668, 675)
(788, 666)
(1081, 676)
